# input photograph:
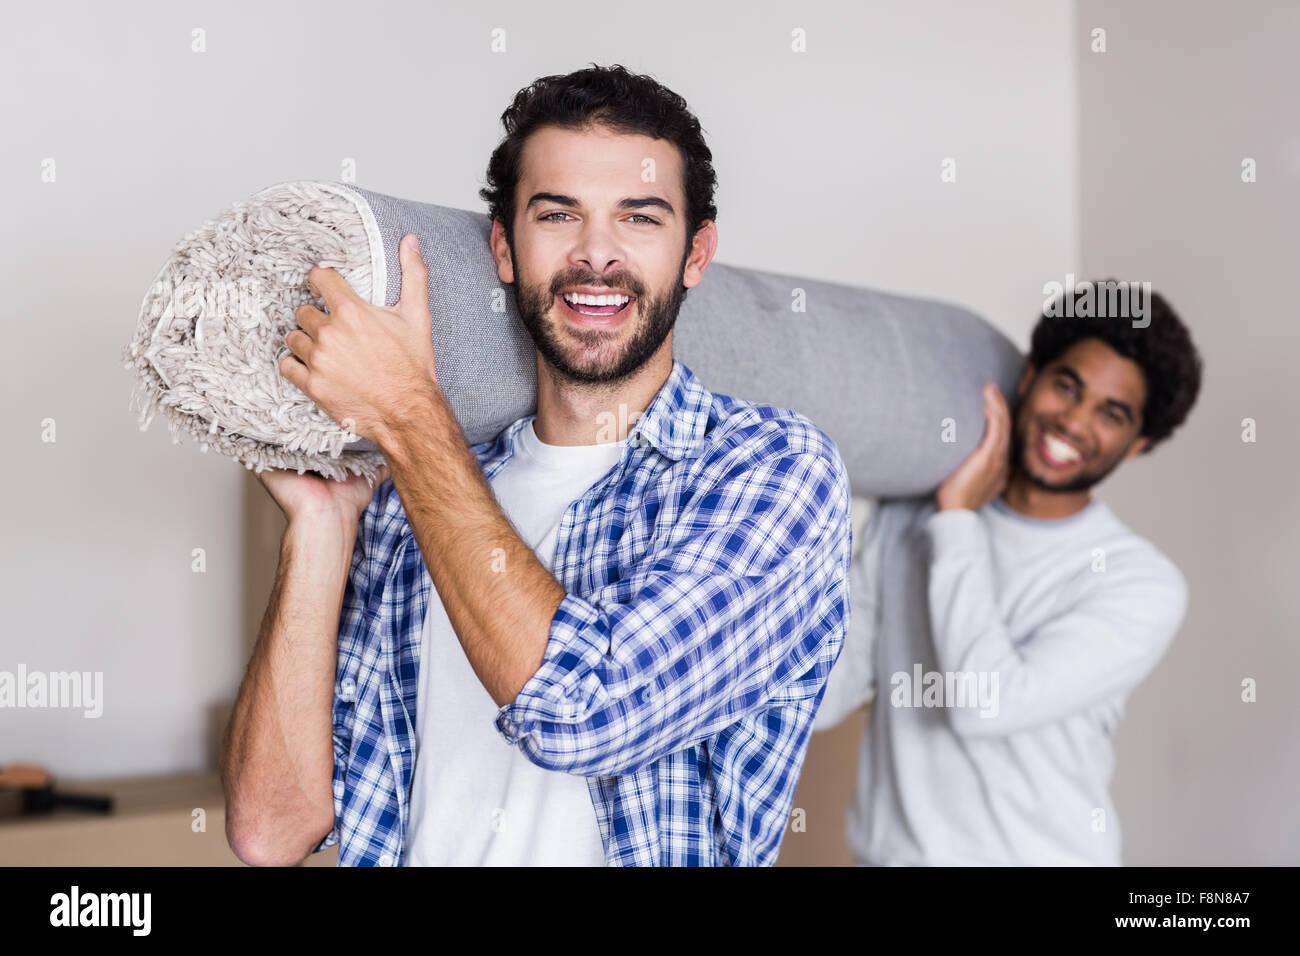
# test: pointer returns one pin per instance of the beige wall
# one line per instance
(828, 163)
(1182, 94)
(1185, 91)
(1125, 162)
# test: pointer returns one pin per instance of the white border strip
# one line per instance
(378, 262)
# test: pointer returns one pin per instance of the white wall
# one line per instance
(1123, 163)
(1184, 92)
(829, 167)
(828, 164)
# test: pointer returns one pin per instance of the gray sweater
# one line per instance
(1006, 646)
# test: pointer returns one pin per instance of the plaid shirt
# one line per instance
(707, 600)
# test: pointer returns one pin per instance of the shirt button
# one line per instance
(386, 859)
(348, 689)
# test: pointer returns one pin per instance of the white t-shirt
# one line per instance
(475, 799)
(1056, 621)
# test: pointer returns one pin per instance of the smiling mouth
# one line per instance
(1057, 453)
(596, 314)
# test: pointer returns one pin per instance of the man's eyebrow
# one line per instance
(1122, 406)
(1113, 402)
(632, 202)
(641, 202)
(1069, 373)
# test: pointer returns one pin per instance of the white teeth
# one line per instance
(1060, 451)
(596, 299)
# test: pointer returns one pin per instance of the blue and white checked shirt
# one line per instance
(707, 578)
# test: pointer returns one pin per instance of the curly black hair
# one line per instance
(1161, 346)
(614, 98)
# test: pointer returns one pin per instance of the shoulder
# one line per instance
(765, 477)
(742, 433)
(1138, 555)
(1127, 567)
(489, 451)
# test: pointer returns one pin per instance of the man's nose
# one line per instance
(1074, 422)
(597, 248)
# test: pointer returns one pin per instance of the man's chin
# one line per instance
(1057, 487)
(1080, 481)
(582, 341)
(590, 365)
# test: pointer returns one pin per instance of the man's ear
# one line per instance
(699, 254)
(1026, 377)
(501, 252)
(1137, 446)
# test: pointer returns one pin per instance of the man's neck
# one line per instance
(1026, 498)
(578, 413)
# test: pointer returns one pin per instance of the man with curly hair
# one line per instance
(597, 639)
(1013, 613)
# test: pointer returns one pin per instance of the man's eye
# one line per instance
(550, 217)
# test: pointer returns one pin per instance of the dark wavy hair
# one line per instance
(614, 98)
(1162, 348)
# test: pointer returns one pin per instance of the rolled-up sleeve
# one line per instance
(743, 596)
(852, 682)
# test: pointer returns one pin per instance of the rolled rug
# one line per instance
(894, 381)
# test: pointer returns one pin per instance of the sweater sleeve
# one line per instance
(1103, 646)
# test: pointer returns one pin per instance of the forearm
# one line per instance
(499, 598)
(740, 604)
(968, 631)
(852, 680)
(278, 754)
(849, 686)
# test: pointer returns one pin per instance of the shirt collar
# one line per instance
(675, 421)
(673, 424)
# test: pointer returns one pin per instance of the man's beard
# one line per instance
(657, 318)
(1082, 482)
